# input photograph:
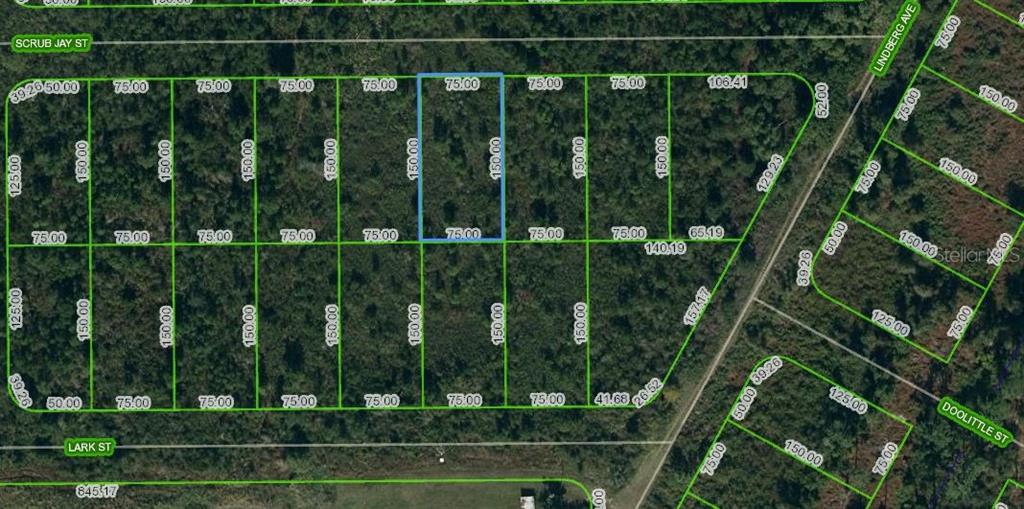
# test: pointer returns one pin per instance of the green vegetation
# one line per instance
(869, 273)
(950, 123)
(910, 195)
(722, 141)
(624, 189)
(457, 187)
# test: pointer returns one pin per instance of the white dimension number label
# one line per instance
(415, 324)
(885, 459)
(216, 402)
(330, 159)
(700, 301)
(662, 248)
(998, 254)
(546, 233)
(867, 179)
(647, 393)
(821, 102)
(997, 98)
(957, 171)
(463, 233)
(661, 155)
(15, 308)
(948, 31)
(96, 490)
(802, 452)
(464, 400)
(131, 237)
(628, 82)
(379, 84)
(297, 236)
(579, 157)
(907, 104)
(768, 176)
(166, 331)
(766, 370)
(543, 83)
(963, 317)
(703, 232)
(83, 325)
(127, 402)
(848, 400)
(611, 399)
(890, 323)
(497, 323)
(131, 86)
(14, 175)
(629, 232)
(803, 268)
(214, 236)
(292, 85)
(715, 456)
(49, 238)
(835, 237)
(249, 325)
(331, 325)
(17, 386)
(381, 400)
(579, 323)
(726, 82)
(915, 242)
(547, 399)
(298, 401)
(739, 412)
(462, 84)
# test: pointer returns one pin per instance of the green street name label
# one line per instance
(894, 38)
(977, 423)
(51, 43)
(89, 447)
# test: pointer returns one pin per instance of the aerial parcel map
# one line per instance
(523, 254)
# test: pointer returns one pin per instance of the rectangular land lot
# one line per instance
(826, 445)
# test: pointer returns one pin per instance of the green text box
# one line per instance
(894, 38)
(51, 43)
(89, 447)
(977, 423)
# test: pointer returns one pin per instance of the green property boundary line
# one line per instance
(88, 137)
(174, 292)
(263, 4)
(976, 95)
(947, 358)
(999, 13)
(237, 244)
(737, 244)
(317, 482)
(892, 238)
(586, 225)
(930, 165)
(255, 248)
(730, 421)
(337, 226)
(1002, 491)
(698, 499)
